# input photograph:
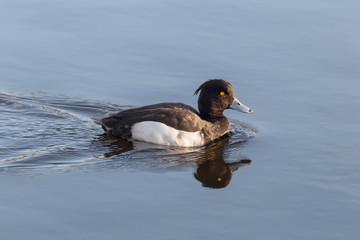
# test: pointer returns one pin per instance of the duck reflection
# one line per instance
(211, 169)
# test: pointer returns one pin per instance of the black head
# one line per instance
(217, 95)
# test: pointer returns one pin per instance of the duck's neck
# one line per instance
(208, 113)
(211, 117)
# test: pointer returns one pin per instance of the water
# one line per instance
(294, 63)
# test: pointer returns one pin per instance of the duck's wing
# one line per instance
(176, 115)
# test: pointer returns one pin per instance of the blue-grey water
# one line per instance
(289, 171)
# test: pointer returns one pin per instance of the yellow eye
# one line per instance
(222, 93)
(219, 179)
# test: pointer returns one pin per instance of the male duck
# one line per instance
(178, 124)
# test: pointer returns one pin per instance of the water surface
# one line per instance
(295, 63)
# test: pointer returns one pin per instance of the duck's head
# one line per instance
(217, 95)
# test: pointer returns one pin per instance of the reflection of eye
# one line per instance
(222, 93)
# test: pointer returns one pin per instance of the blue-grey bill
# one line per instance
(237, 105)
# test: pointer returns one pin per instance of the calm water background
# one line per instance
(296, 63)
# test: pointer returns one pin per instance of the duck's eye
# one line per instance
(219, 179)
(222, 93)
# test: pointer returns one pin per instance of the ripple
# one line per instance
(40, 131)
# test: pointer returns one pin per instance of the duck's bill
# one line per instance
(237, 105)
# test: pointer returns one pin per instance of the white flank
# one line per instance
(159, 133)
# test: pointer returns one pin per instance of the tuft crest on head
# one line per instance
(209, 82)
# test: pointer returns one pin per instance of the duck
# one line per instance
(178, 124)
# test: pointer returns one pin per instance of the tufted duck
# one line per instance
(178, 124)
